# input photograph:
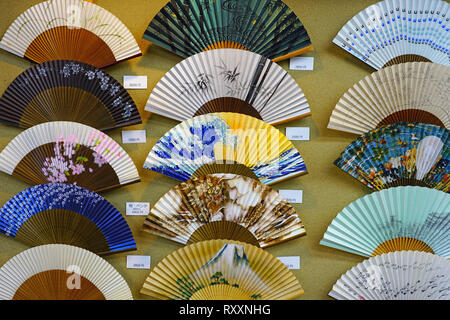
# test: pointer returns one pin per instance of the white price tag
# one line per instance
(297, 133)
(292, 196)
(135, 82)
(301, 63)
(292, 262)
(138, 208)
(134, 136)
(138, 262)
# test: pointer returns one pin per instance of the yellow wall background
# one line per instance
(326, 189)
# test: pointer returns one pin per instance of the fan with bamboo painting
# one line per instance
(228, 80)
(402, 275)
(221, 270)
(394, 219)
(397, 31)
(68, 152)
(224, 206)
(61, 272)
(413, 91)
(267, 27)
(403, 153)
(226, 143)
(66, 214)
(70, 30)
(65, 90)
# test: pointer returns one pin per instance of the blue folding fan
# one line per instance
(66, 214)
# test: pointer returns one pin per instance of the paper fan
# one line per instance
(228, 80)
(266, 27)
(67, 90)
(403, 275)
(221, 270)
(65, 213)
(413, 91)
(61, 272)
(224, 206)
(397, 31)
(69, 152)
(395, 219)
(226, 143)
(73, 30)
(404, 153)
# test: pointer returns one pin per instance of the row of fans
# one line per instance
(404, 229)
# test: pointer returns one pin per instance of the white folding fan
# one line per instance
(73, 30)
(68, 152)
(394, 219)
(401, 275)
(413, 91)
(61, 272)
(228, 80)
(226, 143)
(224, 206)
(396, 31)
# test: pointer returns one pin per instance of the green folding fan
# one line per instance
(395, 219)
(266, 27)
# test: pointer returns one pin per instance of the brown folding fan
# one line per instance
(225, 206)
(67, 90)
(70, 29)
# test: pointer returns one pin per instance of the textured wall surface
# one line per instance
(326, 189)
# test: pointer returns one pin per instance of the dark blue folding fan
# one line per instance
(66, 214)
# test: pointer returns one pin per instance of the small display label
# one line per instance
(138, 262)
(138, 208)
(135, 82)
(292, 262)
(292, 196)
(134, 136)
(297, 133)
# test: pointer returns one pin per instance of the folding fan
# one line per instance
(404, 153)
(221, 270)
(267, 27)
(394, 219)
(396, 31)
(224, 206)
(61, 272)
(228, 80)
(65, 213)
(402, 275)
(73, 30)
(226, 143)
(413, 91)
(67, 90)
(69, 152)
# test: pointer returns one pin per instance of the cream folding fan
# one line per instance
(67, 90)
(394, 219)
(228, 80)
(221, 270)
(224, 206)
(70, 30)
(402, 275)
(413, 91)
(68, 152)
(226, 143)
(61, 272)
(396, 31)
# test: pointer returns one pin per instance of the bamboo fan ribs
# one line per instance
(224, 206)
(403, 153)
(413, 92)
(221, 270)
(395, 219)
(64, 90)
(403, 275)
(70, 30)
(68, 152)
(397, 31)
(228, 80)
(61, 272)
(66, 214)
(266, 27)
(226, 143)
